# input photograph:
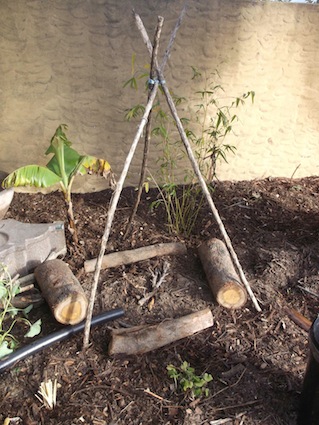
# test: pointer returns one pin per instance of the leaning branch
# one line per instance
(111, 213)
(201, 179)
(113, 205)
(147, 138)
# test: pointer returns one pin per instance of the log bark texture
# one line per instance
(62, 291)
(221, 274)
(116, 259)
(142, 339)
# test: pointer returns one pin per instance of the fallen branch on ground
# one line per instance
(115, 259)
(298, 318)
(142, 339)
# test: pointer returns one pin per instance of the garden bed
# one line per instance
(257, 360)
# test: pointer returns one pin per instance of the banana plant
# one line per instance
(62, 168)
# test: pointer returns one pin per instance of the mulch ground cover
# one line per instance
(257, 360)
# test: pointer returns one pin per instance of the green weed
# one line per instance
(185, 378)
(9, 315)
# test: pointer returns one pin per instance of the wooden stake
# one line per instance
(221, 275)
(148, 128)
(114, 202)
(115, 259)
(198, 173)
(62, 291)
(142, 339)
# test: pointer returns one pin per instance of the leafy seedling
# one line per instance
(62, 168)
(9, 315)
(186, 379)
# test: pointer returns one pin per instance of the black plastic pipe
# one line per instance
(57, 336)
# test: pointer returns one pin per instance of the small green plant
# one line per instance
(62, 168)
(185, 378)
(182, 204)
(9, 315)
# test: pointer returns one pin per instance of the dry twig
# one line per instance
(47, 393)
(158, 279)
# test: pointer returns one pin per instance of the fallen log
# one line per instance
(145, 338)
(62, 291)
(221, 275)
(116, 259)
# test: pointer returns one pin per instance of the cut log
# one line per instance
(116, 259)
(142, 339)
(221, 275)
(62, 291)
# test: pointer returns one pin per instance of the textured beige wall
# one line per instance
(65, 61)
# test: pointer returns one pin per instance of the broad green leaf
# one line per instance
(34, 330)
(207, 377)
(4, 349)
(31, 175)
(66, 163)
(186, 385)
(185, 365)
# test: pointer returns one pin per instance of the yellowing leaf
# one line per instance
(93, 165)
(31, 175)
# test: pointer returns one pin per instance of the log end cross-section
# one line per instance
(221, 274)
(62, 291)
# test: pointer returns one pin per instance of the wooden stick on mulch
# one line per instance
(116, 196)
(198, 172)
(298, 318)
(115, 259)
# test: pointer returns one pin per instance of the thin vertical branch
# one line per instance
(145, 37)
(148, 127)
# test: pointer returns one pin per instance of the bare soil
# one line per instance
(257, 360)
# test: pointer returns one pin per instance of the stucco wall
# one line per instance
(65, 61)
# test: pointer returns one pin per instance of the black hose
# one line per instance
(57, 336)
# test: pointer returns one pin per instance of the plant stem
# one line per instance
(69, 203)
